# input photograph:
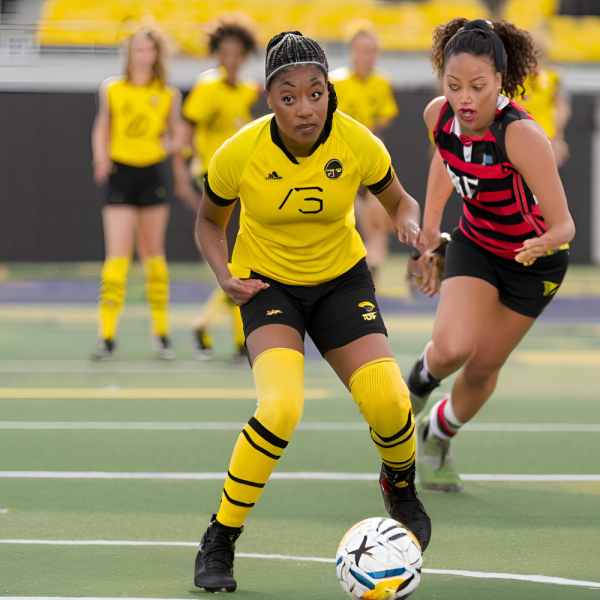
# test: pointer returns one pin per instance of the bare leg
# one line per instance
(465, 307)
(477, 380)
(273, 336)
(119, 222)
(152, 229)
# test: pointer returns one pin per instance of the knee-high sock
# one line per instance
(239, 339)
(383, 398)
(157, 292)
(279, 378)
(112, 294)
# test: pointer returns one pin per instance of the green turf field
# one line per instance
(141, 418)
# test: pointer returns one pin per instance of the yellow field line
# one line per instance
(127, 393)
(559, 358)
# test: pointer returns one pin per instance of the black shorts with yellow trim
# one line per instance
(333, 313)
(525, 290)
(138, 186)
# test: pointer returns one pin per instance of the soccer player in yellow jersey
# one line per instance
(299, 267)
(544, 99)
(216, 108)
(137, 125)
(365, 94)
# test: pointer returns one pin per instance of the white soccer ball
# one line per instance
(379, 559)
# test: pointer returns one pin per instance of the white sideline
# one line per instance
(319, 426)
(475, 574)
(307, 476)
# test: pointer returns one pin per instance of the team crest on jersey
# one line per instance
(371, 313)
(154, 100)
(333, 169)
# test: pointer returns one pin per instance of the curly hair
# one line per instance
(226, 29)
(518, 46)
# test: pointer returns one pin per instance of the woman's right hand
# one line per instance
(433, 236)
(243, 290)
(102, 171)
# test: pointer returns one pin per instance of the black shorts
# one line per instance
(138, 186)
(333, 313)
(526, 290)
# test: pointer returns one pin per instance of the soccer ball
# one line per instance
(379, 559)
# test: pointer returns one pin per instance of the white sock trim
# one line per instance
(449, 413)
(434, 427)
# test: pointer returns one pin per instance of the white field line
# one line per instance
(304, 476)
(323, 426)
(475, 574)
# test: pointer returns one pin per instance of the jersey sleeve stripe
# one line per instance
(380, 186)
(222, 202)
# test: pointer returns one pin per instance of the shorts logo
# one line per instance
(371, 313)
(270, 313)
(550, 288)
(333, 169)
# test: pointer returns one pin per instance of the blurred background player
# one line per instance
(509, 255)
(544, 99)
(216, 108)
(137, 125)
(365, 93)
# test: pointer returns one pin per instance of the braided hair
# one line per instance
(515, 60)
(292, 48)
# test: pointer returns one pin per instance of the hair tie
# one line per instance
(484, 27)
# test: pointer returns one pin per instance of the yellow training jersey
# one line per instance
(218, 110)
(297, 221)
(539, 99)
(370, 101)
(138, 119)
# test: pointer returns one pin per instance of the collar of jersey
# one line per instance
(277, 139)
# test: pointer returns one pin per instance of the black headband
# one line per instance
(483, 26)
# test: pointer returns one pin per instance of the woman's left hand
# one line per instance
(531, 250)
(410, 233)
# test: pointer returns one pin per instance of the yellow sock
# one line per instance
(279, 378)
(384, 402)
(239, 339)
(157, 292)
(112, 294)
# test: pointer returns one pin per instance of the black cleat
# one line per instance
(403, 504)
(214, 562)
(105, 350)
(163, 347)
(420, 390)
(202, 346)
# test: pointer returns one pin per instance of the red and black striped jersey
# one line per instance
(499, 210)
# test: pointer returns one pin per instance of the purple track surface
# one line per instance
(188, 292)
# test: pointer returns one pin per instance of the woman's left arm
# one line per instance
(405, 214)
(531, 154)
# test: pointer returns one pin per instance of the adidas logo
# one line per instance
(272, 176)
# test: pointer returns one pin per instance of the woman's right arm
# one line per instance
(101, 139)
(439, 184)
(439, 189)
(211, 225)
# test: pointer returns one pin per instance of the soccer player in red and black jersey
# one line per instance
(509, 255)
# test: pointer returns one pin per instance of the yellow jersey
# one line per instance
(218, 110)
(539, 99)
(138, 119)
(370, 101)
(297, 222)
